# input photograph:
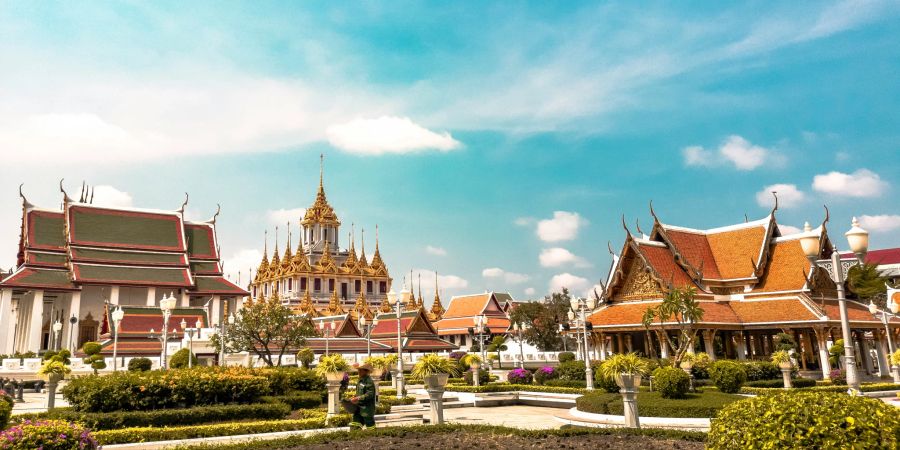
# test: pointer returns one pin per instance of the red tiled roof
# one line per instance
(787, 268)
(855, 312)
(880, 257)
(694, 247)
(769, 311)
(726, 312)
(660, 258)
(460, 325)
(737, 251)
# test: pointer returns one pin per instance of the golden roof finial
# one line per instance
(377, 264)
(361, 308)
(334, 306)
(276, 259)
(263, 269)
(437, 309)
(362, 263)
(306, 305)
(421, 303)
(321, 212)
(385, 307)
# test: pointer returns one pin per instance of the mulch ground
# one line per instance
(480, 441)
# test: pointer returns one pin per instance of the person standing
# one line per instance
(365, 397)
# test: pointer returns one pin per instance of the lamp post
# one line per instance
(117, 317)
(57, 327)
(582, 305)
(858, 239)
(395, 302)
(224, 332)
(480, 323)
(72, 321)
(190, 335)
(325, 329)
(166, 304)
(519, 331)
(367, 327)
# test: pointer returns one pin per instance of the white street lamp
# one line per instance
(582, 305)
(224, 334)
(117, 317)
(57, 327)
(394, 301)
(367, 328)
(480, 325)
(167, 304)
(858, 239)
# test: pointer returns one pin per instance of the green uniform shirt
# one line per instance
(365, 391)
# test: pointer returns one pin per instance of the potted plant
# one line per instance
(472, 360)
(895, 366)
(332, 367)
(434, 370)
(379, 364)
(687, 362)
(782, 359)
(627, 369)
(53, 370)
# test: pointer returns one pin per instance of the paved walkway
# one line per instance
(530, 417)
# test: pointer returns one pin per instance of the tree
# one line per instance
(305, 357)
(94, 358)
(784, 341)
(267, 329)
(543, 319)
(498, 345)
(179, 360)
(680, 306)
(867, 283)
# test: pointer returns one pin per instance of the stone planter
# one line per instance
(895, 371)
(393, 378)
(476, 374)
(434, 385)
(377, 374)
(628, 387)
(53, 380)
(436, 381)
(785, 365)
(333, 384)
(786, 375)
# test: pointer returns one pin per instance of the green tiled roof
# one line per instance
(48, 258)
(40, 278)
(90, 254)
(204, 267)
(118, 228)
(199, 241)
(46, 229)
(131, 275)
(217, 285)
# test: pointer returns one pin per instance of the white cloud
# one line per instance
(562, 227)
(387, 134)
(788, 229)
(110, 196)
(880, 223)
(735, 151)
(242, 261)
(862, 183)
(788, 196)
(284, 216)
(575, 284)
(523, 221)
(506, 277)
(448, 284)
(437, 251)
(557, 257)
(530, 291)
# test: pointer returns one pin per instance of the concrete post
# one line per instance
(628, 388)
(436, 401)
(36, 322)
(881, 354)
(602, 347)
(824, 362)
(740, 346)
(334, 392)
(786, 376)
(393, 378)
(215, 315)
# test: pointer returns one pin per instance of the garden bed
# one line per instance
(651, 404)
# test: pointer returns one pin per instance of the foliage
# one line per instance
(671, 382)
(701, 362)
(332, 363)
(297, 400)
(62, 356)
(566, 357)
(796, 383)
(285, 380)
(566, 383)
(53, 367)
(835, 352)
(483, 376)
(519, 376)
(653, 404)
(895, 358)
(163, 417)
(6, 405)
(781, 357)
(542, 319)
(266, 328)
(545, 374)
(866, 387)
(140, 365)
(471, 359)
(179, 359)
(761, 370)
(305, 357)
(624, 363)
(866, 282)
(806, 420)
(129, 391)
(506, 387)
(838, 377)
(571, 370)
(784, 341)
(472, 433)
(47, 435)
(93, 358)
(678, 306)
(497, 345)
(431, 364)
(728, 376)
(604, 383)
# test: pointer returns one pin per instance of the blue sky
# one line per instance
(498, 144)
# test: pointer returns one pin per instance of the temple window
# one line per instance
(368, 287)
(382, 287)
(344, 290)
(303, 284)
(317, 284)
(290, 284)
(331, 285)
(357, 286)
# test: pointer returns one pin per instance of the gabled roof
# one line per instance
(139, 320)
(94, 226)
(39, 278)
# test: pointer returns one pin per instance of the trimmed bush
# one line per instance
(483, 377)
(728, 376)
(838, 377)
(652, 404)
(806, 420)
(6, 405)
(519, 376)
(94, 358)
(163, 417)
(47, 435)
(297, 400)
(284, 380)
(796, 382)
(544, 374)
(565, 357)
(505, 387)
(183, 388)
(140, 365)
(572, 370)
(869, 387)
(671, 382)
(566, 383)
(180, 359)
(761, 370)
(596, 402)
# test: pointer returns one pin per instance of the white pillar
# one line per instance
(663, 346)
(114, 295)
(37, 321)
(862, 348)
(824, 362)
(151, 296)
(185, 299)
(740, 346)
(6, 336)
(602, 347)
(70, 333)
(881, 353)
(708, 344)
(215, 315)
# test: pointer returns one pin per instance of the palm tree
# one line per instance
(866, 282)
(497, 345)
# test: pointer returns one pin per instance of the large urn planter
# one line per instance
(53, 380)
(377, 373)
(436, 381)
(476, 374)
(895, 371)
(628, 386)
(333, 384)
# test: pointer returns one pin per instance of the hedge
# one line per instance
(297, 400)
(872, 387)
(796, 382)
(330, 439)
(505, 387)
(566, 383)
(806, 420)
(728, 375)
(671, 382)
(283, 380)
(150, 434)
(163, 417)
(652, 404)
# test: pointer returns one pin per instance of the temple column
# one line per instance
(151, 296)
(36, 322)
(619, 345)
(6, 336)
(708, 336)
(740, 346)
(602, 347)
(881, 353)
(216, 313)
(822, 343)
(69, 329)
(114, 295)
(663, 346)
(862, 349)
(748, 344)
(629, 345)
(185, 299)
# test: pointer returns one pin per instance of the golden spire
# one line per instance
(361, 308)
(437, 309)
(286, 260)
(306, 305)
(377, 264)
(263, 269)
(334, 306)
(385, 307)
(276, 259)
(350, 263)
(326, 263)
(321, 212)
(410, 304)
(421, 303)
(363, 264)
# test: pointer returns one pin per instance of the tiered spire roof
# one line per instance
(321, 212)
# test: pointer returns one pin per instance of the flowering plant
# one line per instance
(545, 373)
(47, 435)
(519, 376)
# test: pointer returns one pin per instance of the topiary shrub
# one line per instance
(700, 369)
(483, 377)
(305, 357)
(728, 376)
(566, 357)
(519, 376)
(761, 370)
(94, 358)
(571, 370)
(140, 365)
(806, 420)
(180, 359)
(545, 374)
(47, 435)
(671, 382)
(838, 377)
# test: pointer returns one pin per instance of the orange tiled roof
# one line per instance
(787, 268)
(767, 311)
(856, 312)
(660, 258)
(467, 305)
(629, 314)
(462, 324)
(737, 251)
(696, 250)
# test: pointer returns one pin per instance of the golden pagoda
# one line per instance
(437, 309)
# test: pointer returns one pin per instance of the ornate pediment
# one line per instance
(639, 284)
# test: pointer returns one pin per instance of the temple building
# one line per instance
(457, 324)
(76, 263)
(752, 283)
(320, 278)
